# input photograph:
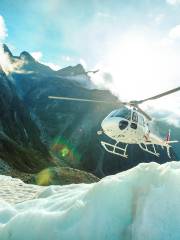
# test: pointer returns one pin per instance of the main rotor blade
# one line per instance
(144, 113)
(157, 96)
(81, 100)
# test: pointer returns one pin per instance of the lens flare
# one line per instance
(63, 149)
(44, 178)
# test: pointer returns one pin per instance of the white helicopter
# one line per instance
(129, 125)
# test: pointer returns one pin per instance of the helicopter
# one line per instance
(129, 125)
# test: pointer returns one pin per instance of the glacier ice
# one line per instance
(138, 204)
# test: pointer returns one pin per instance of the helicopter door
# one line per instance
(134, 120)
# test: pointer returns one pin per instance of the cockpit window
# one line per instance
(123, 113)
(141, 120)
(135, 117)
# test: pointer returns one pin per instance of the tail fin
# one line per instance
(168, 136)
(168, 141)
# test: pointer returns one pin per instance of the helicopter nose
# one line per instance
(114, 124)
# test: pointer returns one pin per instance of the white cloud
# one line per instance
(5, 61)
(166, 113)
(67, 58)
(142, 66)
(166, 42)
(8, 65)
(52, 65)
(102, 14)
(37, 55)
(173, 2)
(83, 63)
(159, 18)
(3, 29)
(175, 33)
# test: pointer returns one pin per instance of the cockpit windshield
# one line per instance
(123, 113)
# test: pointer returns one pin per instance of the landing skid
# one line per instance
(114, 149)
(120, 151)
(144, 147)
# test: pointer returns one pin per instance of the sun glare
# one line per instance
(141, 67)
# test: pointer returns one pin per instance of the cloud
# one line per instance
(173, 2)
(166, 115)
(83, 63)
(52, 65)
(10, 65)
(37, 55)
(159, 18)
(108, 77)
(5, 61)
(171, 38)
(139, 67)
(67, 58)
(175, 33)
(3, 29)
(103, 14)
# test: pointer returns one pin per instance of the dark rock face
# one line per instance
(66, 126)
(27, 57)
(6, 50)
(20, 144)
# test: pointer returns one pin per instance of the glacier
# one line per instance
(138, 204)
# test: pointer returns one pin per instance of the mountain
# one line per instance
(20, 144)
(76, 73)
(25, 63)
(69, 129)
(72, 71)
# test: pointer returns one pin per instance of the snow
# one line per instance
(141, 203)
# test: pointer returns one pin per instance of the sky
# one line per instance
(135, 44)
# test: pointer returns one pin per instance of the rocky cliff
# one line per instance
(20, 144)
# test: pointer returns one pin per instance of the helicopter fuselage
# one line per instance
(127, 125)
(129, 131)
